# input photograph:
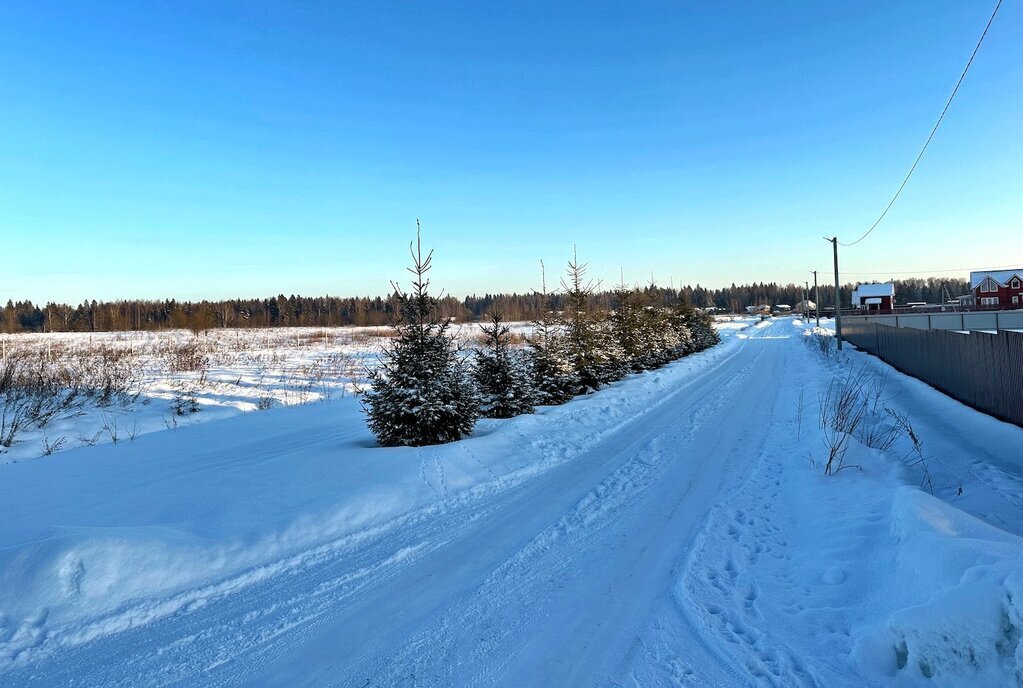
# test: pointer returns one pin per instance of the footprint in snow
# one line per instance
(833, 576)
(72, 571)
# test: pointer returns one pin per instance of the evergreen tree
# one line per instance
(584, 340)
(613, 364)
(659, 340)
(700, 326)
(552, 378)
(628, 327)
(678, 318)
(422, 393)
(501, 374)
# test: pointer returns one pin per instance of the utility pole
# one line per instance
(817, 298)
(838, 299)
(948, 297)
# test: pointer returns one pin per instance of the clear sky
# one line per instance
(209, 149)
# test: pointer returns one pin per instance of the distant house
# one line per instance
(998, 287)
(874, 297)
(805, 305)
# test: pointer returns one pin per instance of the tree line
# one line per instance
(330, 311)
(426, 390)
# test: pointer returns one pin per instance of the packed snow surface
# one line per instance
(674, 529)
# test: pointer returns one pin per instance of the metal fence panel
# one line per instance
(981, 369)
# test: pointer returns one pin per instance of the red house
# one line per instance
(874, 297)
(1002, 288)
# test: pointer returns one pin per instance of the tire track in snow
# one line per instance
(249, 612)
(718, 590)
(481, 620)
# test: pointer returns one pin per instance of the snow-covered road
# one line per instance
(551, 582)
(554, 583)
(563, 568)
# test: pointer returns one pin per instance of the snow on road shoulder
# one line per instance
(958, 593)
(109, 537)
(862, 578)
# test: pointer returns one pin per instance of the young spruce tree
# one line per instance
(501, 374)
(628, 324)
(552, 377)
(421, 393)
(700, 325)
(585, 338)
(659, 338)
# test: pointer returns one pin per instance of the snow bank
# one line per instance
(880, 582)
(964, 579)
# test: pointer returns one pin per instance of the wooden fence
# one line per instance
(980, 369)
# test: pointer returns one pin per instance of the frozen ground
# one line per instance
(674, 529)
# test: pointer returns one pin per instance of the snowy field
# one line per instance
(166, 379)
(673, 529)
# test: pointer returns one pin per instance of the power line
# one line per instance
(933, 130)
(917, 272)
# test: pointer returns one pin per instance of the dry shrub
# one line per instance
(515, 339)
(38, 385)
(823, 345)
(842, 409)
(852, 407)
(384, 332)
(188, 357)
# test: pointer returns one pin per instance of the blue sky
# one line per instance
(209, 150)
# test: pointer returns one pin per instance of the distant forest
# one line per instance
(329, 311)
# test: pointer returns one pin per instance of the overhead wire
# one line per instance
(931, 135)
(928, 271)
